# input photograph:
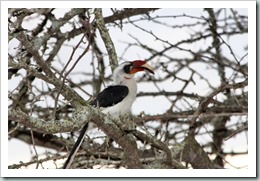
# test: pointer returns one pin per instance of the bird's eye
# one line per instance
(127, 68)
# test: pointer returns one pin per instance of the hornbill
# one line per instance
(115, 100)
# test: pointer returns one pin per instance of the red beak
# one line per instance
(141, 65)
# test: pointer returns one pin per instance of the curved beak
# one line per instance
(141, 65)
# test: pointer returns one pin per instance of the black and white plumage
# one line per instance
(110, 96)
(117, 99)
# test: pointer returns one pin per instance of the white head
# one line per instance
(125, 71)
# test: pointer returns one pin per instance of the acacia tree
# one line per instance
(201, 77)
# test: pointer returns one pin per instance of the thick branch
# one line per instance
(127, 13)
(40, 139)
(106, 39)
(43, 126)
(126, 141)
(191, 152)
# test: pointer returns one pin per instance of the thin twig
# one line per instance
(36, 153)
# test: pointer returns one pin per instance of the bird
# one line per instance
(115, 100)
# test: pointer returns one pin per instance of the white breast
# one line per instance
(123, 107)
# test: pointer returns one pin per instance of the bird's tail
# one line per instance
(75, 147)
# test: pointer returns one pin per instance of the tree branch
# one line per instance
(205, 102)
(127, 13)
(106, 39)
(43, 126)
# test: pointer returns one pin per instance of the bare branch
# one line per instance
(106, 39)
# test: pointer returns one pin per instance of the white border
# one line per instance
(128, 4)
(250, 172)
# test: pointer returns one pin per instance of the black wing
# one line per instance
(110, 96)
